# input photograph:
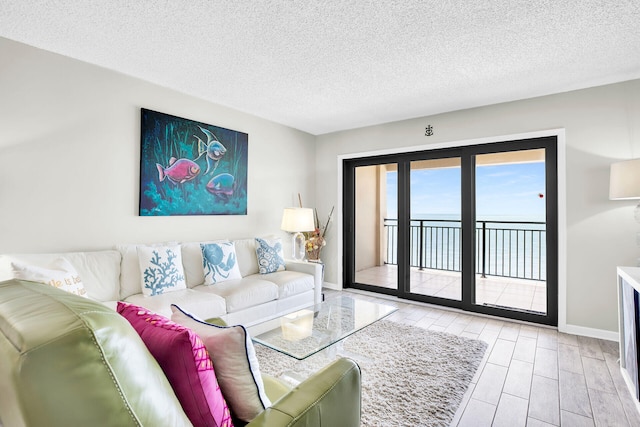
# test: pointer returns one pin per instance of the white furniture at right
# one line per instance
(629, 327)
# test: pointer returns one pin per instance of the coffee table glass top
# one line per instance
(305, 332)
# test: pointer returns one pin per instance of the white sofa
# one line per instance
(112, 275)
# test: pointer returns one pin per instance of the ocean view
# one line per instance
(506, 246)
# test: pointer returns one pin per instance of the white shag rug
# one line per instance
(410, 376)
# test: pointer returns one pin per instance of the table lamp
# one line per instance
(297, 220)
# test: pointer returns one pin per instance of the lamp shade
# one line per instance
(624, 181)
(298, 219)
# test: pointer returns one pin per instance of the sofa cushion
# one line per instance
(201, 304)
(237, 369)
(63, 365)
(161, 269)
(219, 262)
(246, 254)
(185, 361)
(99, 270)
(288, 282)
(270, 255)
(239, 294)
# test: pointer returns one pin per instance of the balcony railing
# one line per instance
(514, 249)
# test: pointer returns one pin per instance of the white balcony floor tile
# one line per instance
(516, 293)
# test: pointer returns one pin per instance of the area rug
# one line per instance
(410, 376)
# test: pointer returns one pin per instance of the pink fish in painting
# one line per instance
(178, 171)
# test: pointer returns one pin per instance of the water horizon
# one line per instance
(479, 218)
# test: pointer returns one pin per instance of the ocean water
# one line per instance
(488, 218)
(506, 246)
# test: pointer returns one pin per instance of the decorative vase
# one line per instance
(313, 255)
(313, 247)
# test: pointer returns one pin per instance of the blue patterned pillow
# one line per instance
(161, 269)
(219, 262)
(270, 257)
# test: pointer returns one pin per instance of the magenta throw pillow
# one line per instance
(185, 361)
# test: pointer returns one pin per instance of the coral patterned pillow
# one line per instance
(186, 363)
(219, 262)
(161, 269)
(270, 256)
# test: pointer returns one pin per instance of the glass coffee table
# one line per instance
(306, 332)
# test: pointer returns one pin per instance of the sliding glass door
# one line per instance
(375, 232)
(471, 227)
(435, 212)
(511, 230)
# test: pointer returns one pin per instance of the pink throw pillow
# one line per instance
(186, 363)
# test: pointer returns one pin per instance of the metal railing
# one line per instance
(514, 249)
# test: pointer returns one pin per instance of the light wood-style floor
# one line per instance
(531, 375)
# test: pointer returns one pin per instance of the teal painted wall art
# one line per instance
(191, 168)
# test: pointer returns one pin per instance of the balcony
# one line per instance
(510, 262)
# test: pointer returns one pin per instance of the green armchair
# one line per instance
(66, 361)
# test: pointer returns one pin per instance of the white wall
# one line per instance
(70, 153)
(602, 125)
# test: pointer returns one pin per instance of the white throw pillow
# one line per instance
(60, 274)
(270, 255)
(235, 362)
(161, 269)
(219, 262)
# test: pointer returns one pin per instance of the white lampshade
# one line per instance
(624, 181)
(298, 219)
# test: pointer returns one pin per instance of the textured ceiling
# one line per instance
(328, 65)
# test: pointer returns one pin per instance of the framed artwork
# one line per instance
(191, 168)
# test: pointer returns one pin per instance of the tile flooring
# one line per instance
(530, 375)
(508, 292)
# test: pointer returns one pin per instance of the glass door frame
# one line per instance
(348, 223)
(468, 224)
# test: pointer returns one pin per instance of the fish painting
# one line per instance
(191, 168)
(222, 185)
(214, 149)
(179, 171)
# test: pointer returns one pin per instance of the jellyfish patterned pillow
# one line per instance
(219, 262)
(270, 257)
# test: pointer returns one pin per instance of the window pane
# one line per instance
(511, 230)
(435, 250)
(375, 232)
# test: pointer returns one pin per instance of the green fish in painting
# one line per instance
(213, 149)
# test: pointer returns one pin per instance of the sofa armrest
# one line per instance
(331, 397)
(315, 269)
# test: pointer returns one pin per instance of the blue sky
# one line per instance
(503, 191)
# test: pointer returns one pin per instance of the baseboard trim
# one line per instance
(590, 332)
(567, 329)
(333, 286)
